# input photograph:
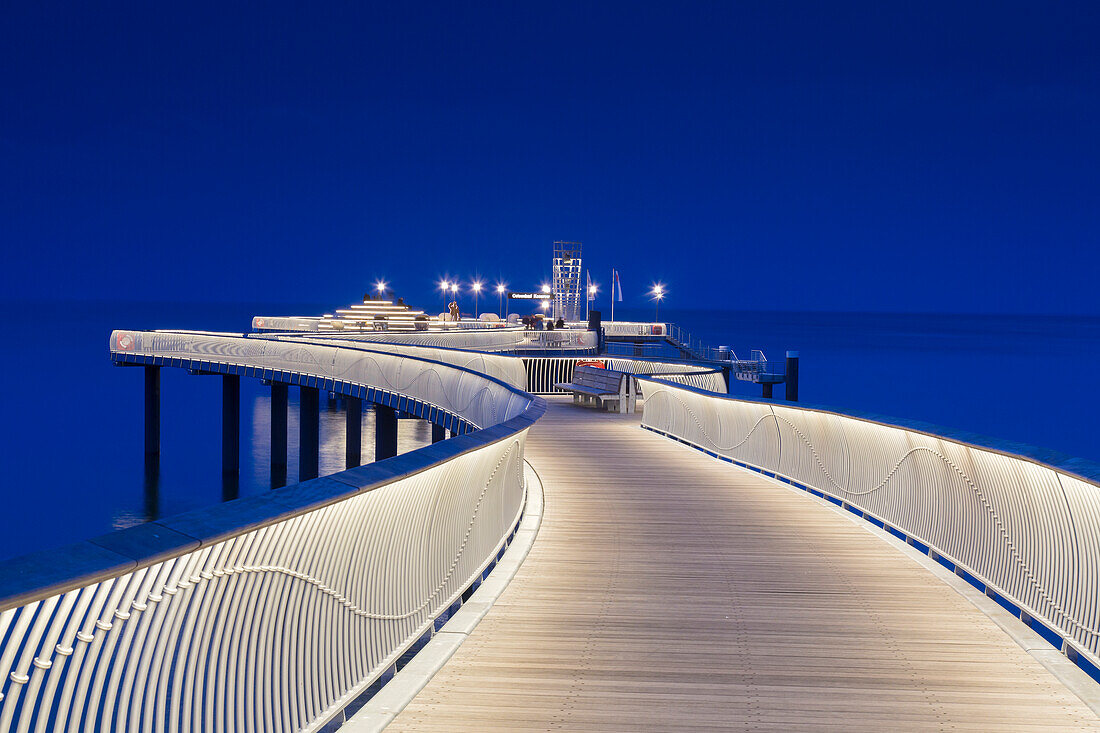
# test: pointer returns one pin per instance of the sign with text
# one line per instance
(530, 296)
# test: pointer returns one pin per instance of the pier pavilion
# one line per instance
(709, 563)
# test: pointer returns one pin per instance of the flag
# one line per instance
(617, 286)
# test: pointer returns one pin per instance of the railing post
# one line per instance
(439, 433)
(152, 413)
(791, 379)
(309, 433)
(278, 434)
(385, 432)
(353, 451)
(766, 389)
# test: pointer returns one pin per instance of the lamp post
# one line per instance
(591, 296)
(380, 286)
(443, 285)
(658, 293)
(454, 294)
(476, 285)
(500, 292)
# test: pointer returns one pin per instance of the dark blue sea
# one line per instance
(72, 423)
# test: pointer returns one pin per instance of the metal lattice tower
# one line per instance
(567, 280)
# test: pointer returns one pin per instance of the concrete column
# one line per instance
(438, 433)
(231, 424)
(353, 450)
(766, 389)
(792, 376)
(278, 434)
(152, 412)
(385, 432)
(309, 432)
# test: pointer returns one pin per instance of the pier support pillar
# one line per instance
(309, 432)
(438, 433)
(791, 380)
(152, 413)
(353, 444)
(278, 434)
(385, 432)
(231, 436)
(231, 424)
(766, 388)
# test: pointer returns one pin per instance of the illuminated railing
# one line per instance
(495, 339)
(1025, 532)
(271, 612)
(543, 372)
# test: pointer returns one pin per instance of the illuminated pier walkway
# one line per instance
(667, 590)
(736, 564)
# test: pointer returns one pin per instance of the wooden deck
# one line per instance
(668, 591)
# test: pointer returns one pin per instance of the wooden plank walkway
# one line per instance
(668, 591)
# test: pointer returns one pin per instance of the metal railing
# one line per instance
(271, 612)
(487, 340)
(543, 372)
(1025, 532)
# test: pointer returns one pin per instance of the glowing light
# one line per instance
(476, 285)
(545, 288)
(443, 285)
(591, 289)
(544, 304)
(658, 291)
(380, 286)
(500, 288)
(454, 287)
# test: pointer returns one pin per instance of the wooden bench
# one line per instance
(602, 386)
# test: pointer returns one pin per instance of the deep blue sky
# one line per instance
(877, 156)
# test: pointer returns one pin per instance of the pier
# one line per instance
(706, 562)
(666, 591)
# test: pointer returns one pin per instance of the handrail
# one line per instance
(270, 612)
(1023, 528)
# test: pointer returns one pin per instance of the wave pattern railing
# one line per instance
(487, 340)
(1030, 533)
(271, 612)
(460, 391)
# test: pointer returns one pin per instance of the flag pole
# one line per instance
(612, 294)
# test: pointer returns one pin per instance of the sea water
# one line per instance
(71, 424)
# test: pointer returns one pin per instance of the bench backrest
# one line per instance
(598, 378)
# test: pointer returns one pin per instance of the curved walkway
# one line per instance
(669, 591)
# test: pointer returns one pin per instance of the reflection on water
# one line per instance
(411, 434)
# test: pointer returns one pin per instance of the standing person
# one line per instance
(454, 310)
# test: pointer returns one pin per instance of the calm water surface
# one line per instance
(71, 423)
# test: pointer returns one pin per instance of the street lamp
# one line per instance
(591, 296)
(500, 292)
(476, 285)
(454, 294)
(443, 285)
(380, 286)
(545, 288)
(658, 292)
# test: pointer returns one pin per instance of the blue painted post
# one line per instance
(791, 379)
(309, 432)
(152, 412)
(385, 432)
(231, 424)
(278, 434)
(353, 450)
(438, 433)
